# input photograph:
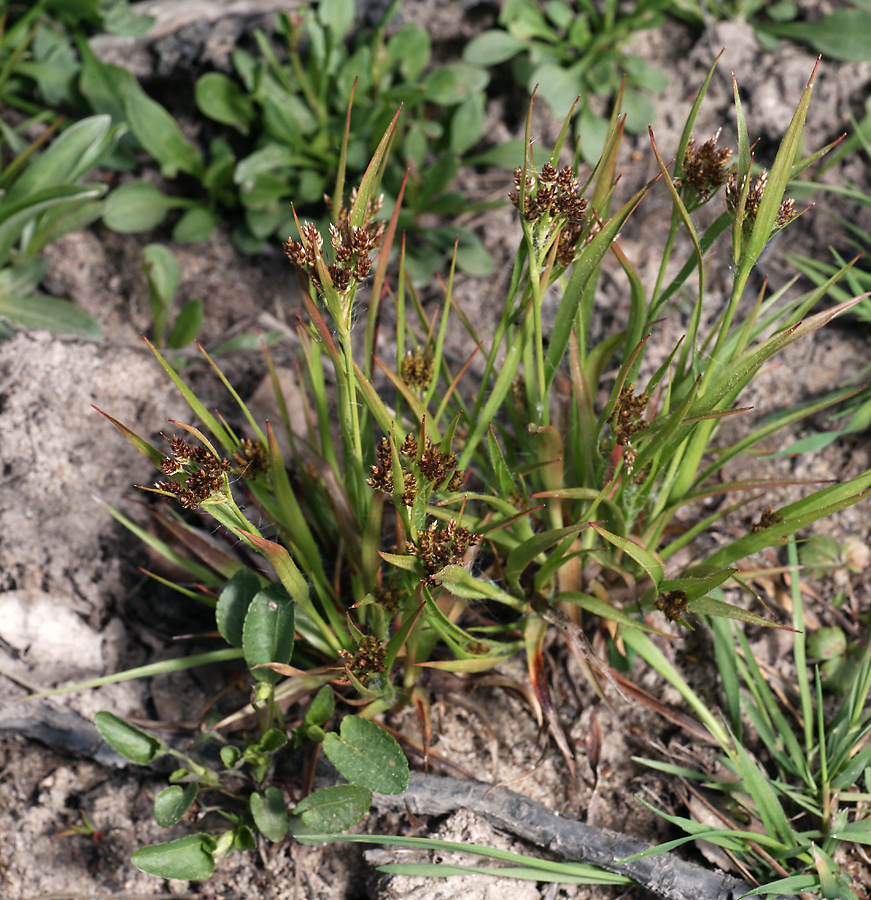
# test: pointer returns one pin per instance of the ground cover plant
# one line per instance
(432, 519)
(44, 197)
(839, 34)
(280, 121)
(578, 50)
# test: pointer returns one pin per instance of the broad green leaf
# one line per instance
(132, 743)
(222, 99)
(269, 813)
(268, 631)
(335, 808)
(173, 802)
(49, 314)
(71, 155)
(843, 35)
(190, 858)
(160, 135)
(233, 603)
(558, 86)
(367, 755)
(138, 206)
(337, 16)
(197, 224)
(467, 124)
(492, 47)
(508, 156)
(411, 47)
(15, 217)
(452, 84)
(321, 708)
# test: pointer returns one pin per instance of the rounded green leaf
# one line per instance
(138, 206)
(492, 47)
(334, 809)
(270, 813)
(411, 47)
(268, 631)
(222, 99)
(321, 707)
(230, 756)
(367, 755)
(467, 124)
(233, 603)
(473, 258)
(190, 858)
(454, 83)
(172, 803)
(133, 744)
(244, 840)
(197, 224)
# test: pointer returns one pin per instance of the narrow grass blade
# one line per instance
(149, 671)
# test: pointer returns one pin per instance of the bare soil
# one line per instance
(74, 606)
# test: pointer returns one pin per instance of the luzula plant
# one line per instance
(520, 487)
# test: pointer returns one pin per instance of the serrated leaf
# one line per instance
(367, 755)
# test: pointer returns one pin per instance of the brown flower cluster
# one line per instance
(202, 473)
(433, 466)
(706, 169)
(389, 596)
(417, 369)
(768, 518)
(251, 457)
(353, 247)
(555, 197)
(785, 213)
(368, 660)
(627, 420)
(672, 604)
(440, 547)
(382, 474)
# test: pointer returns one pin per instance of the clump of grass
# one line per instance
(417, 491)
